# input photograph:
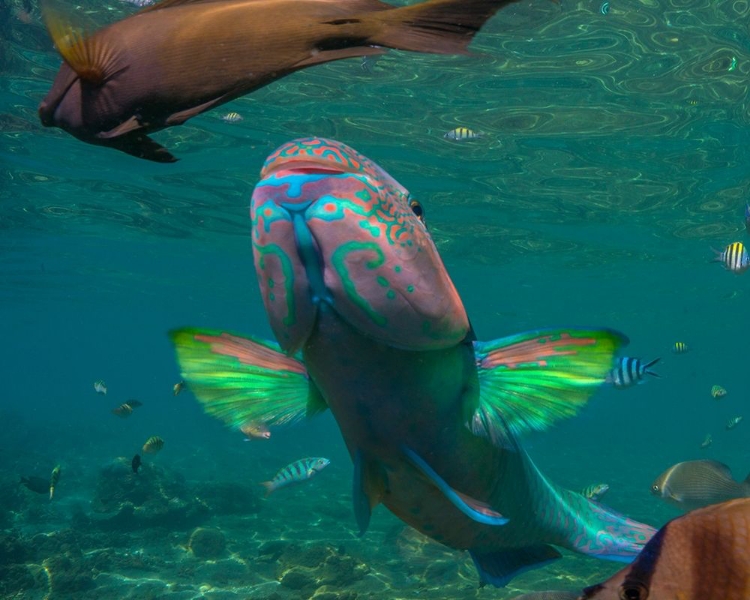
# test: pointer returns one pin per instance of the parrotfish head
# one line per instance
(330, 227)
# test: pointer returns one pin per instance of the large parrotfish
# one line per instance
(369, 324)
(179, 58)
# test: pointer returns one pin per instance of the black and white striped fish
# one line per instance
(630, 371)
(734, 257)
(296, 472)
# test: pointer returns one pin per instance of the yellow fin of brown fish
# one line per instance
(93, 60)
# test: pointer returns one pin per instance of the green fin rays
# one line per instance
(531, 380)
(241, 380)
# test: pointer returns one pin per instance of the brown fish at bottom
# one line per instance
(178, 58)
(703, 555)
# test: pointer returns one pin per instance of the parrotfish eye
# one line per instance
(417, 209)
(633, 590)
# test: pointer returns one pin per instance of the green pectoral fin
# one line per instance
(241, 380)
(529, 381)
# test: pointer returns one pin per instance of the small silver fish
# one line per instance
(461, 134)
(100, 387)
(232, 117)
(296, 472)
(595, 491)
(707, 442)
(696, 483)
(733, 422)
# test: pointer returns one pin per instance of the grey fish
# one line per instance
(548, 595)
(36, 484)
(697, 483)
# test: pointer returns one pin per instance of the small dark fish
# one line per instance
(697, 483)
(123, 411)
(703, 555)
(134, 403)
(707, 442)
(153, 445)
(100, 387)
(54, 478)
(734, 257)
(595, 491)
(461, 134)
(629, 371)
(36, 484)
(680, 347)
(547, 595)
(136, 463)
(178, 387)
(733, 422)
(138, 76)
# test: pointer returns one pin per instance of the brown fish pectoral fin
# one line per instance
(324, 56)
(132, 124)
(369, 485)
(141, 146)
(93, 59)
(179, 118)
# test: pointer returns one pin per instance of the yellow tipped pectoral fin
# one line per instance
(531, 380)
(94, 59)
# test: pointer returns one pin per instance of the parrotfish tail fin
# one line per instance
(436, 26)
(369, 485)
(647, 367)
(241, 380)
(580, 524)
(499, 567)
(269, 487)
(529, 381)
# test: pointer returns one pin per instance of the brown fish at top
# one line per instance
(697, 483)
(703, 555)
(178, 58)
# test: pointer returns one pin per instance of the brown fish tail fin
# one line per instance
(93, 60)
(436, 26)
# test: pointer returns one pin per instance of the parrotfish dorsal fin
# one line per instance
(368, 487)
(172, 3)
(530, 380)
(91, 58)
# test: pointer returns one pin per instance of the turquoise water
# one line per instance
(614, 157)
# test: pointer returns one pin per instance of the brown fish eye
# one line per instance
(633, 591)
(416, 208)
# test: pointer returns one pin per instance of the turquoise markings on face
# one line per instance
(295, 182)
(339, 264)
(288, 271)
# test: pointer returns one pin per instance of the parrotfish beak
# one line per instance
(332, 228)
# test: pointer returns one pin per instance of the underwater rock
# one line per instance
(272, 551)
(153, 497)
(13, 550)
(207, 543)
(68, 574)
(298, 578)
(228, 498)
(324, 593)
(15, 580)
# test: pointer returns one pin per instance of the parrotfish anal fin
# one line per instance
(132, 124)
(370, 483)
(241, 380)
(499, 567)
(93, 59)
(180, 117)
(474, 509)
(531, 380)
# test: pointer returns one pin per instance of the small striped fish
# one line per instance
(461, 134)
(718, 392)
(296, 472)
(595, 491)
(232, 117)
(629, 371)
(680, 347)
(153, 445)
(734, 257)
